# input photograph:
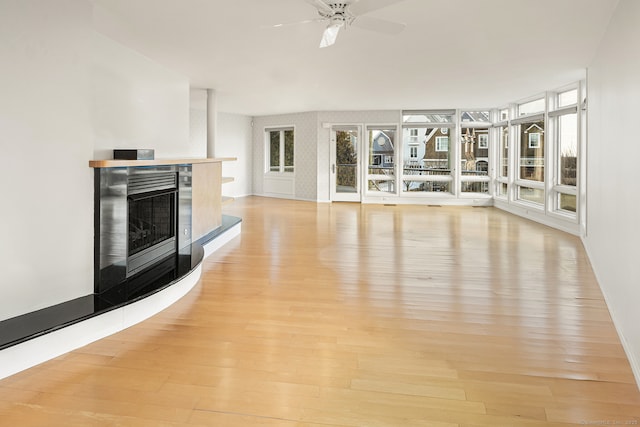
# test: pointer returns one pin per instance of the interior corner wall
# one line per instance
(612, 234)
(198, 117)
(137, 103)
(46, 250)
(305, 153)
(234, 139)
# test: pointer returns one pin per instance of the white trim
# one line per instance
(429, 198)
(530, 212)
(538, 185)
(485, 145)
(475, 178)
(538, 117)
(633, 360)
(571, 109)
(441, 138)
(427, 178)
(534, 142)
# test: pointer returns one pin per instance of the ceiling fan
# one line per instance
(344, 13)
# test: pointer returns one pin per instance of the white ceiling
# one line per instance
(453, 53)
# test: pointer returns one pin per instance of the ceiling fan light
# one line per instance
(330, 35)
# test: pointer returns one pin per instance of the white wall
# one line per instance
(311, 180)
(613, 232)
(46, 249)
(234, 139)
(198, 117)
(69, 95)
(137, 103)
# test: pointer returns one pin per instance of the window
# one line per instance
(442, 143)
(568, 146)
(532, 151)
(533, 195)
(413, 147)
(504, 114)
(532, 107)
(483, 140)
(428, 116)
(415, 186)
(566, 162)
(280, 147)
(474, 159)
(503, 189)
(426, 165)
(274, 151)
(473, 149)
(381, 171)
(475, 187)
(475, 116)
(504, 151)
(569, 97)
(534, 140)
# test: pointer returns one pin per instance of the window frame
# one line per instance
(557, 188)
(531, 140)
(389, 179)
(483, 141)
(438, 144)
(282, 166)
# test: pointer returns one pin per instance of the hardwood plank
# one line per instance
(357, 315)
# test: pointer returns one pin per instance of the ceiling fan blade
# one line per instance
(321, 6)
(378, 25)
(330, 35)
(290, 24)
(360, 7)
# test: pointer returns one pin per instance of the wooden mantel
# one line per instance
(156, 162)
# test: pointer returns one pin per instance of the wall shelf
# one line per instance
(156, 162)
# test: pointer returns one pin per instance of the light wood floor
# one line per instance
(350, 315)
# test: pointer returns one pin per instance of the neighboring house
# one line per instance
(532, 152)
(475, 150)
(429, 149)
(437, 148)
(382, 151)
(414, 148)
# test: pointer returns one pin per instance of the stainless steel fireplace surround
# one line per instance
(151, 219)
(142, 219)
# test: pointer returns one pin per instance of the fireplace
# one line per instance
(142, 227)
(151, 222)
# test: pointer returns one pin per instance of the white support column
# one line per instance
(212, 122)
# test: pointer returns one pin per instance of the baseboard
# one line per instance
(633, 361)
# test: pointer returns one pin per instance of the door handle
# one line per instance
(333, 168)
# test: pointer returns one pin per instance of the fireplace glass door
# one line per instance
(151, 221)
(152, 217)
